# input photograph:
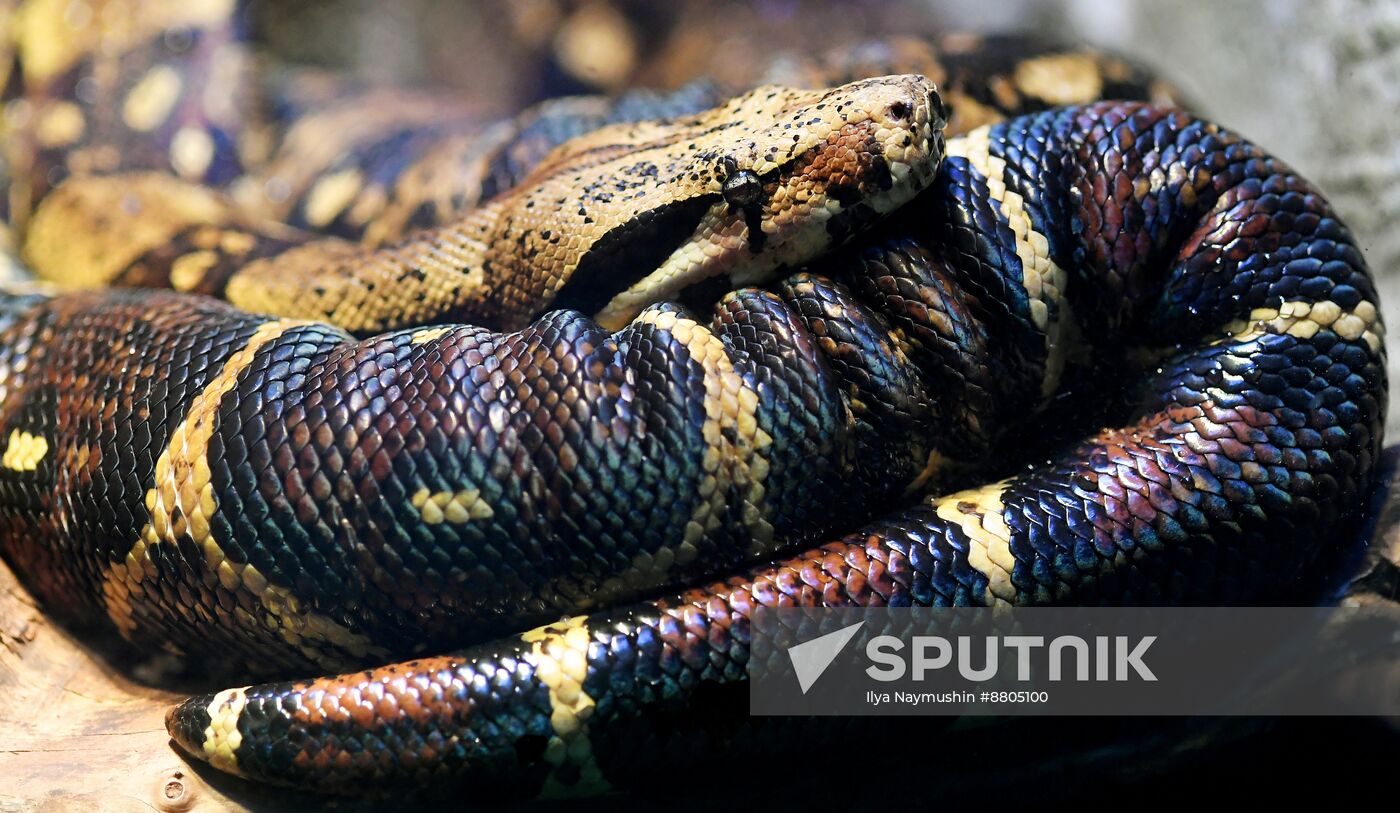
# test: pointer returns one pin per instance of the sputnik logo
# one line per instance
(811, 658)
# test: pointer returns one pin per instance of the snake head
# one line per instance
(736, 195)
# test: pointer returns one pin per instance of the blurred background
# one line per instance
(1315, 81)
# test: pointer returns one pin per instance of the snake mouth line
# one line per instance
(883, 147)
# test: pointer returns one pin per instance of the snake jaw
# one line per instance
(884, 153)
(832, 164)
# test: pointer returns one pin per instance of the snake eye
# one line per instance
(742, 189)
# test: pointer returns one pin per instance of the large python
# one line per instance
(679, 374)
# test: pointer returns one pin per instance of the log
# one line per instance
(80, 731)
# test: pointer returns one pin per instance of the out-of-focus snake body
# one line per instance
(633, 346)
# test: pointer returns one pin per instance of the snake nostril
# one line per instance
(899, 110)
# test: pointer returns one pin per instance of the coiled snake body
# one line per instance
(682, 373)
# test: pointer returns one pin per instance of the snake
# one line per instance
(620, 371)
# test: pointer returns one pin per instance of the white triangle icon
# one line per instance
(811, 658)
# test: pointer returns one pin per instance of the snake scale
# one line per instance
(638, 364)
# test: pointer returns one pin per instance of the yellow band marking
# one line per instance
(191, 151)
(331, 195)
(978, 512)
(61, 124)
(188, 270)
(181, 504)
(1304, 319)
(428, 334)
(236, 242)
(221, 736)
(731, 411)
(182, 501)
(152, 98)
(89, 229)
(455, 507)
(24, 451)
(1043, 280)
(559, 655)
